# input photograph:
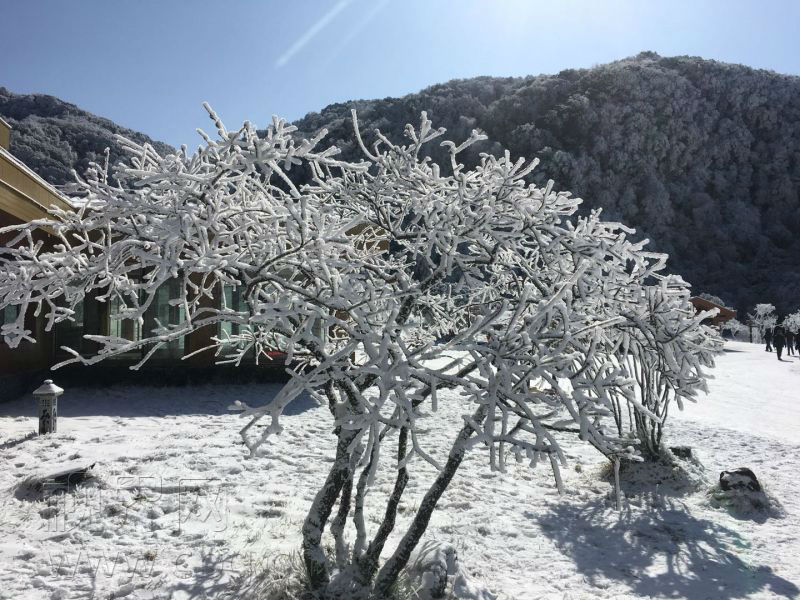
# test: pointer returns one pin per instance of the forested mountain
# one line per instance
(702, 157)
(53, 137)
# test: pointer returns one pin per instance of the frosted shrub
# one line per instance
(666, 372)
(384, 282)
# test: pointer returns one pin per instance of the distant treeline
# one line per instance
(703, 158)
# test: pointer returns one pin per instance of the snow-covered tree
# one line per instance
(384, 282)
(792, 322)
(662, 371)
(763, 318)
(734, 326)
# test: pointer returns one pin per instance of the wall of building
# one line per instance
(24, 197)
(22, 193)
(27, 357)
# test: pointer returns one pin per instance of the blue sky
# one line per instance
(149, 65)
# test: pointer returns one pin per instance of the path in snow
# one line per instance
(752, 392)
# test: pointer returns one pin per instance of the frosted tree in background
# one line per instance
(763, 318)
(792, 322)
(384, 282)
(734, 326)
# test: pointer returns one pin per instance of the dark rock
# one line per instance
(71, 477)
(37, 487)
(739, 479)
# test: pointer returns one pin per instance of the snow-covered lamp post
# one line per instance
(47, 404)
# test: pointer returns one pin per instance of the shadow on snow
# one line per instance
(660, 551)
(146, 401)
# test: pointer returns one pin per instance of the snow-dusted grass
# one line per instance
(175, 510)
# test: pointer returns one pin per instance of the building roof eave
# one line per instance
(48, 198)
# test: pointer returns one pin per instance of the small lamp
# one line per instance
(47, 404)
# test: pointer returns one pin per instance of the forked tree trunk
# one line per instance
(368, 564)
(387, 576)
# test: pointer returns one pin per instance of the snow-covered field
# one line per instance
(177, 512)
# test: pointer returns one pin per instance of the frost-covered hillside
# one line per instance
(702, 157)
(176, 511)
(54, 137)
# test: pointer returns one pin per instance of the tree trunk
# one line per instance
(368, 564)
(314, 524)
(387, 576)
(338, 525)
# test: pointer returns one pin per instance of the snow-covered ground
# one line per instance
(753, 392)
(177, 512)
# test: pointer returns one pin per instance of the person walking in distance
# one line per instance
(768, 338)
(779, 340)
(789, 342)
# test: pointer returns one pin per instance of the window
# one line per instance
(70, 333)
(163, 313)
(160, 312)
(9, 314)
(233, 301)
(123, 328)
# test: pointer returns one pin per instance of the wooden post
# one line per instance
(47, 406)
